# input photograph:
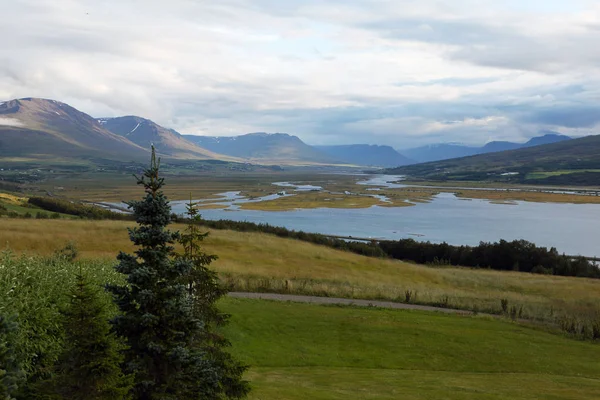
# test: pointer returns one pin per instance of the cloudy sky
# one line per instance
(395, 72)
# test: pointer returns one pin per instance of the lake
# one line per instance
(571, 228)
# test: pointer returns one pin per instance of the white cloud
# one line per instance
(352, 71)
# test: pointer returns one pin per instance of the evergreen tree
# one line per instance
(204, 290)
(89, 368)
(11, 374)
(157, 318)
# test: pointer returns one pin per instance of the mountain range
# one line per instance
(40, 128)
(438, 152)
(145, 133)
(33, 128)
(574, 161)
(264, 147)
(368, 155)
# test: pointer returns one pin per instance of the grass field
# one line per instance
(300, 351)
(260, 262)
(546, 174)
(19, 205)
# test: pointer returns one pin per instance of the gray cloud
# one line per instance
(401, 73)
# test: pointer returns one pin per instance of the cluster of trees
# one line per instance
(518, 255)
(163, 343)
(28, 215)
(63, 206)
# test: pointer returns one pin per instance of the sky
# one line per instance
(397, 72)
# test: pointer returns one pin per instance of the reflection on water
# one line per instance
(299, 188)
(571, 228)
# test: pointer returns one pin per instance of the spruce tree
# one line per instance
(205, 290)
(157, 318)
(89, 368)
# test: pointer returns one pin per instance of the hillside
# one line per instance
(575, 161)
(264, 147)
(443, 151)
(144, 133)
(367, 155)
(40, 128)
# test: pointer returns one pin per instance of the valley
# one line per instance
(277, 181)
(298, 200)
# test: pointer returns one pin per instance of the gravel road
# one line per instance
(350, 302)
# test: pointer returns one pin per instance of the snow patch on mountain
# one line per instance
(137, 126)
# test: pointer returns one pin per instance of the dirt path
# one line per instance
(350, 302)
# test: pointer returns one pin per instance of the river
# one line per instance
(571, 228)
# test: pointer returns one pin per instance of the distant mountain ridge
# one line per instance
(145, 133)
(367, 155)
(47, 128)
(574, 161)
(440, 152)
(262, 147)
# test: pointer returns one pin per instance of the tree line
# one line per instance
(517, 255)
(85, 211)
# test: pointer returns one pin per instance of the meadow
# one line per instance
(266, 263)
(300, 351)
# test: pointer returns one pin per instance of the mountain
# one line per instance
(438, 152)
(32, 127)
(548, 138)
(367, 155)
(264, 147)
(442, 151)
(493, 147)
(144, 133)
(574, 161)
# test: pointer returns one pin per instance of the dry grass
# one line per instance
(9, 198)
(118, 186)
(314, 200)
(253, 261)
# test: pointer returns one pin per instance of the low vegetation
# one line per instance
(162, 340)
(300, 351)
(274, 264)
(74, 208)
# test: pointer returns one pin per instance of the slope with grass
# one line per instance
(300, 351)
(145, 133)
(41, 128)
(578, 156)
(266, 263)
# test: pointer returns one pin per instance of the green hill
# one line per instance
(574, 162)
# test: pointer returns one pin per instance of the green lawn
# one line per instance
(300, 351)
